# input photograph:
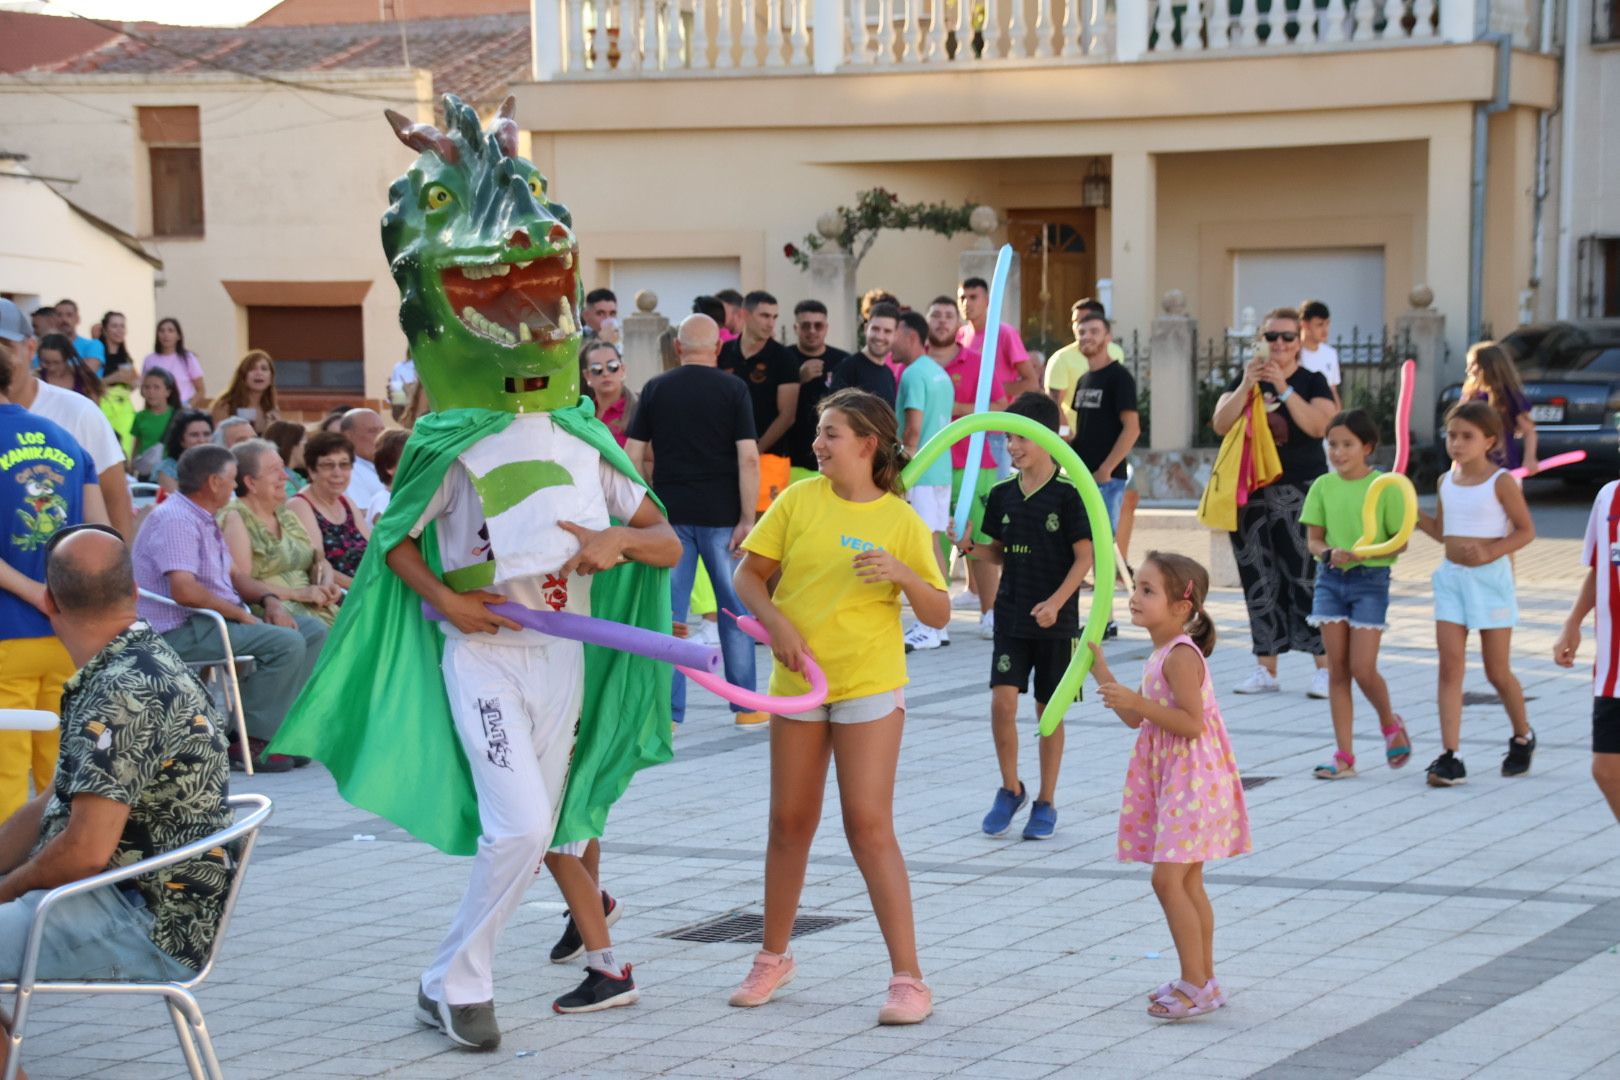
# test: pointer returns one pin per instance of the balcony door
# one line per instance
(1057, 252)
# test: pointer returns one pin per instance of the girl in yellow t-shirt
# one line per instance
(847, 546)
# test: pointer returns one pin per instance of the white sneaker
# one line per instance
(1260, 681)
(987, 625)
(921, 638)
(709, 634)
(1319, 684)
(964, 601)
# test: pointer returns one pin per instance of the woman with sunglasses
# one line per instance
(1274, 562)
(603, 369)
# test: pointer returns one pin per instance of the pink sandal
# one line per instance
(1176, 1007)
(1342, 768)
(1169, 987)
(1397, 755)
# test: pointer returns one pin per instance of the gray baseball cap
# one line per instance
(14, 325)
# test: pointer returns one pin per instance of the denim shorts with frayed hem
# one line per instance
(1358, 595)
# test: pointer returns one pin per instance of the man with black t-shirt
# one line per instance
(763, 363)
(1039, 534)
(869, 369)
(1106, 421)
(816, 361)
(700, 426)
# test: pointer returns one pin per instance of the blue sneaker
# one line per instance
(999, 819)
(1042, 821)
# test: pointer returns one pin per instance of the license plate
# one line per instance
(1547, 414)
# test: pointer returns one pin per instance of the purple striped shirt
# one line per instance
(180, 535)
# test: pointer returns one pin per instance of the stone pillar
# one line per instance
(980, 261)
(832, 281)
(1173, 398)
(1135, 210)
(642, 359)
(1421, 331)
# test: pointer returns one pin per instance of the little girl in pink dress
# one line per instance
(1183, 799)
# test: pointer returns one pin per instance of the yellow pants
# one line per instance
(32, 671)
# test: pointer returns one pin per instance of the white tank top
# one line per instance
(1473, 510)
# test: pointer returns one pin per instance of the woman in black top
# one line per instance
(119, 366)
(1273, 562)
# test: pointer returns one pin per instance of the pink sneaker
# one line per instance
(768, 975)
(910, 1002)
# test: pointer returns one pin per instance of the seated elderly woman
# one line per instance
(268, 543)
(324, 507)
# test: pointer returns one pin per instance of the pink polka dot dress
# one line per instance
(1183, 797)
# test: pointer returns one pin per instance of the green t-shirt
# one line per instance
(1335, 504)
(148, 428)
(924, 386)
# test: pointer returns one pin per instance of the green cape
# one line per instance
(375, 710)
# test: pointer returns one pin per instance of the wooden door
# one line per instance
(1058, 265)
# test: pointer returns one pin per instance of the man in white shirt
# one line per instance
(1315, 354)
(70, 410)
(363, 427)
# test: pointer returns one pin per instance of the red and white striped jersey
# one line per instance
(1602, 552)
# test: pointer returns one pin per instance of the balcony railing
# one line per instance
(652, 38)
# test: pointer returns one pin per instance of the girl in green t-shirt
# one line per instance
(160, 400)
(1352, 595)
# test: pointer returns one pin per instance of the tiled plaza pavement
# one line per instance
(1381, 928)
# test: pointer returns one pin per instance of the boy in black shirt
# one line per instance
(1040, 537)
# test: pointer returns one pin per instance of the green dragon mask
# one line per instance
(487, 268)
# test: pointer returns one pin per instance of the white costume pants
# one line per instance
(516, 708)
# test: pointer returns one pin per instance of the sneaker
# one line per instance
(1111, 631)
(1447, 771)
(571, 946)
(1517, 761)
(910, 1002)
(987, 626)
(1042, 821)
(964, 601)
(1006, 804)
(600, 990)
(709, 634)
(922, 638)
(472, 1026)
(753, 720)
(1319, 684)
(1260, 681)
(768, 975)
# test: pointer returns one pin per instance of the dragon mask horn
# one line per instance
(423, 137)
(505, 127)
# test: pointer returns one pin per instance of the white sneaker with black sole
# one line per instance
(920, 638)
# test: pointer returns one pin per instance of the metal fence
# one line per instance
(1369, 373)
(1138, 359)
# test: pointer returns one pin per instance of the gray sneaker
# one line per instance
(472, 1026)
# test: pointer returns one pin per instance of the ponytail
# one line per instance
(1186, 580)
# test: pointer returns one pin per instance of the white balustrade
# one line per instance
(672, 34)
(1164, 25)
(935, 53)
(748, 44)
(885, 38)
(1192, 25)
(798, 37)
(1423, 13)
(629, 60)
(1017, 31)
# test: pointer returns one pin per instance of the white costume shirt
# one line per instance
(523, 539)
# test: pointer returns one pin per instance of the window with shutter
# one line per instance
(174, 155)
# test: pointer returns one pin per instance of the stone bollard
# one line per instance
(1173, 398)
(1421, 332)
(640, 341)
(980, 261)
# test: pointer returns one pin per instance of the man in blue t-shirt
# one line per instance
(46, 484)
(91, 351)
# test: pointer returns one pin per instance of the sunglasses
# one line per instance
(1281, 335)
(612, 367)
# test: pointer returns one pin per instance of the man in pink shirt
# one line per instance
(962, 366)
(1014, 369)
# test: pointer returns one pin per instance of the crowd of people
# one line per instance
(777, 466)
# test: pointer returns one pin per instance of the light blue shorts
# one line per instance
(104, 935)
(1478, 597)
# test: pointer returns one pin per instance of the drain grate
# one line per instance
(749, 927)
(1480, 697)
(1250, 782)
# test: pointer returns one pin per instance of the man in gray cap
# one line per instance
(72, 411)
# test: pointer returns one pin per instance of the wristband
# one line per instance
(1326, 557)
(1288, 392)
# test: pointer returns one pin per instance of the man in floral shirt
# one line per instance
(142, 771)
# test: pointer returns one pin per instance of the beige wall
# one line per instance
(1594, 205)
(294, 184)
(48, 253)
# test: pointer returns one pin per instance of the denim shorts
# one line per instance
(1477, 597)
(856, 710)
(104, 935)
(1358, 595)
(1113, 496)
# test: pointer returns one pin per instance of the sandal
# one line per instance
(1342, 768)
(1169, 987)
(1175, 1006)
(1397, 744)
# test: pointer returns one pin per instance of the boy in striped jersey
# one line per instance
(1601, 590)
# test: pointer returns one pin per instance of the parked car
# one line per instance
(1571, 374)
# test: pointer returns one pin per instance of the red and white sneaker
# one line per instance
(769, 974)
(910, 1002)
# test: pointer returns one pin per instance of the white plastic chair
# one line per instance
(184, 1011)
(233, 688)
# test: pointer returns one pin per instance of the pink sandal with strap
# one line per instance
(1176, 1005)
(1397, 755)
(1169, 987)
(1342, 768)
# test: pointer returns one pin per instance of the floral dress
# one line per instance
(282, 560)
(342, 541)
(1183, 797)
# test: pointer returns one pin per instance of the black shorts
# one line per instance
(1013, 658)
(1605, 725)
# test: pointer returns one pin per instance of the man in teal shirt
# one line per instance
(924, 405)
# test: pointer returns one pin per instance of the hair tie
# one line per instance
(1187, 594)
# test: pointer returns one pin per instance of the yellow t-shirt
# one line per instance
(1064, 369)
(852, 627)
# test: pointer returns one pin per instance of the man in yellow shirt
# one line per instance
(1066, 366)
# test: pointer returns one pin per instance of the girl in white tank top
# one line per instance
(1481, 519)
